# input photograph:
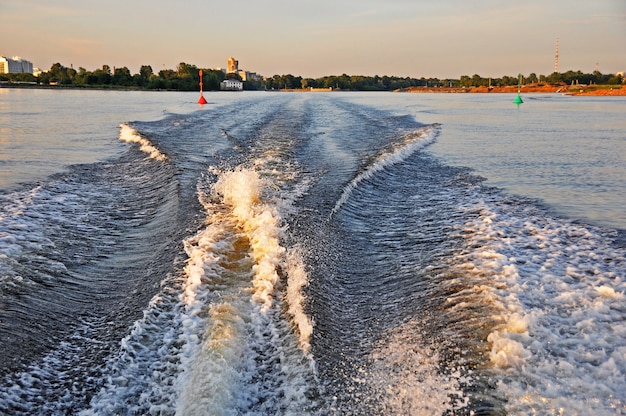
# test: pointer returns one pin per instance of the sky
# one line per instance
(315, 38)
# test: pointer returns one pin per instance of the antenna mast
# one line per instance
(556, 56)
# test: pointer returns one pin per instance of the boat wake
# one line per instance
(411, 143)
(130, 135)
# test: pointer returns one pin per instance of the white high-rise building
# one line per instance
(15, 65)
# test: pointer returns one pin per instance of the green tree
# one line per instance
(102, 76)
(190, 79)
(184, 70)
(465, 81)
(56, 72)
(146, 71)
(122, 77)
(308, 83)
(157, 83)
(478, 81)
(212, 79)
(142, 79)
(59, 73)
(24, 77)
(167, 74)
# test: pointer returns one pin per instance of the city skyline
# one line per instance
(398, 38)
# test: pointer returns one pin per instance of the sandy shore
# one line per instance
(595, 90)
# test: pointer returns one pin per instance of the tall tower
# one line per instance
(233, 65)
(556, 56)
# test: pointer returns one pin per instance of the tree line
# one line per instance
(390, 83)
(186, 78)
(569, 77)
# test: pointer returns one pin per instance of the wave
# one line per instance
(241, 190)
(219, 327)
(233, 304)
(437, 295)
(557, 296)
(130, 135)
(411, 143)
(71, 248)
(406, 375)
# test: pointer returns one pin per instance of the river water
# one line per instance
(319, 253)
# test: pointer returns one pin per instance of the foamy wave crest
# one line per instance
(557, 289)
(407, 377)
(241, 190)
(130, 135)
(489, 268)
(152, 374)
(298, 279)
(412, 143)
(230, 320)
(213, 341)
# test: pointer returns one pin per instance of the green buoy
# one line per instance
(518, 100)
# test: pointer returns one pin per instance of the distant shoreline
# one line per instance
(578, 90)
(71, 87)
(593, 90)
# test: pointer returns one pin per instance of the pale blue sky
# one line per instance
(313, 38)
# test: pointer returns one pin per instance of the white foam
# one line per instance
(232, 318)
(143, 371)
(26, 218)
(407, 377)
(203, 271)
(558, 289)
(219, 331)
(297, 280)
(609, 292)
(241, 190)
(212, 377)
(130, 135)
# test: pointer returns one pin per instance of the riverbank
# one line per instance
(31, 85)
(591, 90)
(594, 90)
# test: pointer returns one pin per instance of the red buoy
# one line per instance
(201, 100)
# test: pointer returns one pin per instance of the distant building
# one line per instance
(231, 85)
(233, 66)
(15, 65)
(249, 76)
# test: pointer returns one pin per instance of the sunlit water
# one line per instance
(570, 152)
(338, 253)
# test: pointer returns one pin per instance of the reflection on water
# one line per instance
(569, 152)
(44, 131)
